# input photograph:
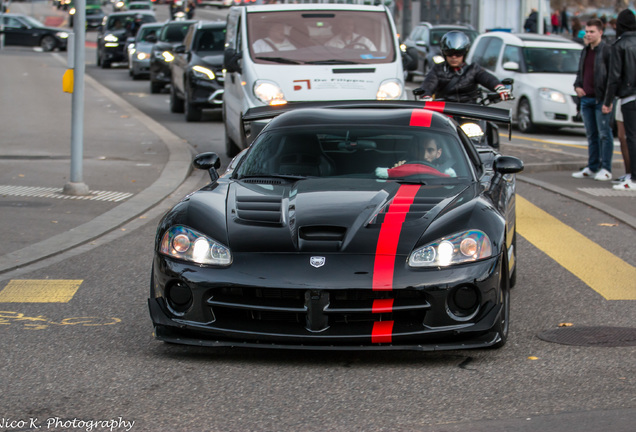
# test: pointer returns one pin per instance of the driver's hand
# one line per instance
(418, 91)
(382, 172)
(397, 164)
(504, 92)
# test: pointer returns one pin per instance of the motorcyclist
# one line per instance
(454, 80)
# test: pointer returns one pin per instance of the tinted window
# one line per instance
(174, 32)
(210, 40)
(551, 60)
(491, 54)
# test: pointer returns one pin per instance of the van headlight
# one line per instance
(269, 93)
(389, 90)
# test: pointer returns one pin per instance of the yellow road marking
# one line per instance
(39, 291)
(556, 143)
(601, 270)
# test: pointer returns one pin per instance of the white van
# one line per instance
(283, 53)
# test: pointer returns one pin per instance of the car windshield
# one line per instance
(551, 60)
(94, 12)
(210, 40)
(436, 35)
(144, 31)
(401, 153)
(120, 22)
(324, 37)
(174, 32)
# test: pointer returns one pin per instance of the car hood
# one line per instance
(211, 59)
(557, 81)
(321, 215)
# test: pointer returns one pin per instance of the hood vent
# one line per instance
(269, 181)
(420, 207)
(261, 209)
(322, 233)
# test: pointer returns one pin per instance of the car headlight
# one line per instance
(269, 93)
(119, 5)
(111, 38)
(552, 95)
(437, 59)
(462, 247)
(203, 72)
(142, 56)
(189, 245)
(72, 11)
(62, 35)
(403, 47)
(167, 56)
(389, 90)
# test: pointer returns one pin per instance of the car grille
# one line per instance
(315, 310)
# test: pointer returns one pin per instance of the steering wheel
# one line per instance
(357, 46)
(414, 168)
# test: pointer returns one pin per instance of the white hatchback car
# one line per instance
(543, 68)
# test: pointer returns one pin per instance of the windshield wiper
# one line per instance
(280, 176)
(332, 62)
(279, 60)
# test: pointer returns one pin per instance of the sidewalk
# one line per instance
(131, 163)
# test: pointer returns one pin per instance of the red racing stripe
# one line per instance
(435, 106)
(382, 305)
(421, 117)
(389, 237)
(382, 332)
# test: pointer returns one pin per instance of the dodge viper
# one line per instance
(344, 226)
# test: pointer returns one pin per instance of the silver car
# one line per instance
(139, 50)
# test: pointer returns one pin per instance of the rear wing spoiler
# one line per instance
(479, 112)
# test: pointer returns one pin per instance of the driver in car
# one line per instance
(432, 164)
(348, 38)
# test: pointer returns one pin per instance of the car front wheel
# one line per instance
(192, 112)
(524, 117)
(503, 325)
(176, 103)
(48, 43)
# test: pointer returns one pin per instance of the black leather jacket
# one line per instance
(465, 89)
(621, 81)
(601, 68)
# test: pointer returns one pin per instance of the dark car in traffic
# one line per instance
(197, 70)
(346, 225)
(171, 35)
(113, 34)
(23, 30)
(425, 38)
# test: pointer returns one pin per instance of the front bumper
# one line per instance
(160, 71)
(228, 308)
(115, 52)
(556, 114)
(206, 93)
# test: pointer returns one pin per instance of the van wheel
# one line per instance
(524, 117)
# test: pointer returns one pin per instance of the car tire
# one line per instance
(176, 103)
(98, 60)
(48, 43)
(105, 64)
(503, 325)
(513, 275)
(524, 117)
(192, 112)
(155, 87)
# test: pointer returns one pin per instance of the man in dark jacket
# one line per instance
(590, 86)
(455, 81)
(621, 82)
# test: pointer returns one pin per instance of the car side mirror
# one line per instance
(507, 165)
(180, 49)
(511, 66)
(208, 161)
(231, 60)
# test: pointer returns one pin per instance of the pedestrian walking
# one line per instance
(622, 83)
(556, 22)
(564, 21)
(590, 86)
(620, 131)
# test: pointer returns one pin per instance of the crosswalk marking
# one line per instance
(603, 271)
(49, 192)
(39, 291)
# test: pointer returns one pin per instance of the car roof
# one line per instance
(446, 26)
(132, 13)
(533, 40)
(178, 23)
(211, 24)
(279, 7)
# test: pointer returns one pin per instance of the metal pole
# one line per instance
(76, 186)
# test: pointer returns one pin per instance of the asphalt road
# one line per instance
(94, 358)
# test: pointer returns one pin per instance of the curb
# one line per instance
(174, 173)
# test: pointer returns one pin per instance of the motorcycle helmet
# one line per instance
(455, 43)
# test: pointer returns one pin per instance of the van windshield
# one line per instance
(320, 37)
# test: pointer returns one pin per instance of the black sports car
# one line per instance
(356, 225)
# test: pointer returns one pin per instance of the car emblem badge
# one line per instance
(317, 261)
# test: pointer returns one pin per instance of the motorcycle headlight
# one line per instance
(390, 89)
(111, 38)
(269, 93)
(167, 56)
(203, 72)
(472, 130)
(437, 59)
(552, 95)
(189, 245)
(462, 247)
